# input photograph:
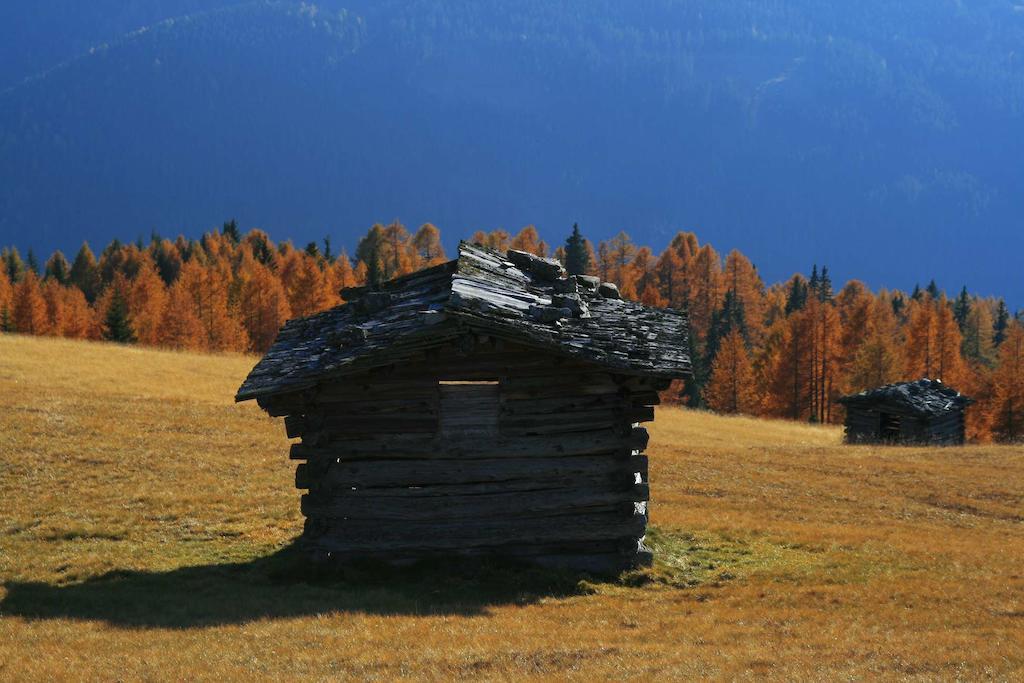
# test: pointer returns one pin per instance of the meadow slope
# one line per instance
(145, 521)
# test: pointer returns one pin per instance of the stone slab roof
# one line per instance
(925, 397)
(515, 296)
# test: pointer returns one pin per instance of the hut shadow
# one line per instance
(284, 585)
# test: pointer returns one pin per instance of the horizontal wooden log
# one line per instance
(358, 536)
(645, 398)
(332, 429)
(294, 425)
(403, 446)
(376, 390)
(640, 414)
(601, 564)
(280, 405)
(639, 438)
(626, 548)
(393, 473)
(311, 476)
(558, 423)
(561, 404)
(566, 500)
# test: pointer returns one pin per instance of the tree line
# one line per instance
(788, 350)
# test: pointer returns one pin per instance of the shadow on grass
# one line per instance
(284, 585)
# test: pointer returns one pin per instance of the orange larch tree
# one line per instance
(672, 278)
(427, 242)
(146, 298)
(919, 348)
(180, 327)
(789, 375)
(53, 295)
(264, 306)
(825, 357)
(529, 240)
(397, 253)
(877, 360)
(30, 315)
(854, 305)
(208, 287)
(706, 291)
(638, 275)
(289, 263)
(617, 254)
(1006, 406)
(309, 292)
(977, 344)
(497, 239)
(79, 319)
(732, 385)
(6, 302)
(342, 275)
(949, 364)
(742, 279)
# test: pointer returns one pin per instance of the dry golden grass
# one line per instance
(142, 515)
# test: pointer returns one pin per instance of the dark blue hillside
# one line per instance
(882, 138)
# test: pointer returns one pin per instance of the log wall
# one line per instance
(862, 426)
(542, 461)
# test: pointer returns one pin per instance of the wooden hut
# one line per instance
(486, 406)
(926, 411)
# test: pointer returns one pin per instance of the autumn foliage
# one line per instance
(787, 350)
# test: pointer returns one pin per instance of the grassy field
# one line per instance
(145, 523)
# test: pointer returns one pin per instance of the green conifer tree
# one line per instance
(85, 273)
(825, 292)
(577, 258)
(899, 304)
(230, 230)
(1000, 324)
(962, 308)
(797, 296)
(31, 262)
(13, 264)
(731, 316)
(117, 325)
(58, 268)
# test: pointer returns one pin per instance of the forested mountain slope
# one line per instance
(882, 138)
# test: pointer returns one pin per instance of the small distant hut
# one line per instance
(486, 406)
(922, 412)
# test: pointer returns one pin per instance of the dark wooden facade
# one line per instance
(460, 411)
(921, 412)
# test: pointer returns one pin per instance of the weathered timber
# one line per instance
(388, 473)
(482, 407)
(645, 398)
(620, 481)
(410, 508)
(416, 447)
(925, 411)
(626, 552)
(356, 535)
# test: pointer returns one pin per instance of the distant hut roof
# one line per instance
(925, 397)
(518, 296)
